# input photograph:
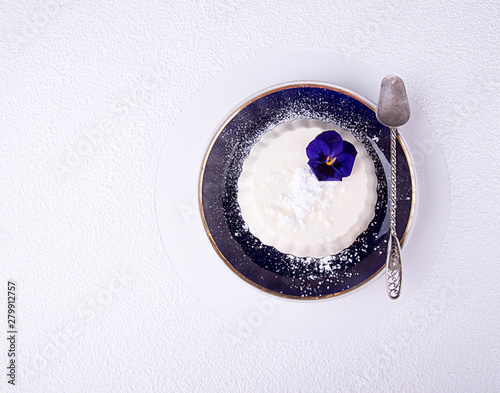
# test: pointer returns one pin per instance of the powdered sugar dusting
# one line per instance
(305, 191)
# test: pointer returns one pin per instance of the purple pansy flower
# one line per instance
(331, 158)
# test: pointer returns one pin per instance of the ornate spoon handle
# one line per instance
(393, 269)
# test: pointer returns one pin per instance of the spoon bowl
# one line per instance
(393, 108)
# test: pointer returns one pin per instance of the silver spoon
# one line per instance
(393, 110)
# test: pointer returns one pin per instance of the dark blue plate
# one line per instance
(264, 266)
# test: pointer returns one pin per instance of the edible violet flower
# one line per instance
(330, 157)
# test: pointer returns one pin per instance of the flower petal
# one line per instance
(318, 150)
(345, 160)
(333, 140)
(324, 172)
(349, 148)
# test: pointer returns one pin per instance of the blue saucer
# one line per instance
(264, 266)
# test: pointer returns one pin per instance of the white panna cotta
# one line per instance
(287, 207)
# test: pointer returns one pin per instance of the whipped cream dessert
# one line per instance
(287, 207)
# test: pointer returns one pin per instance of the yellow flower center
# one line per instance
(330, 160)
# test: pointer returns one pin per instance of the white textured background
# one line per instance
(87, 95)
